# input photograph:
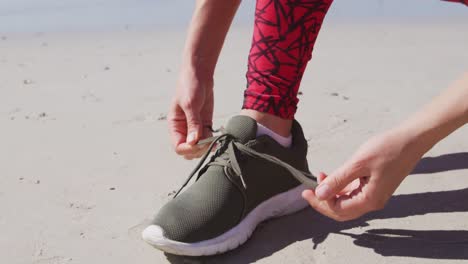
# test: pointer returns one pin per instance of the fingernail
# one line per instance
(305, 194)
(191, 137)
(322, 191)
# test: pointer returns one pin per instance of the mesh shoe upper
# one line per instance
(205, 210)
(232, 184)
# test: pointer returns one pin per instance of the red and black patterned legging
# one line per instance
(284, 35)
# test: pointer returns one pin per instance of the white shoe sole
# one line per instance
(282, 204)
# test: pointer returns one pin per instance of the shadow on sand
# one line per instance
(277, 234)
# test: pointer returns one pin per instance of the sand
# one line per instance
(86, 161)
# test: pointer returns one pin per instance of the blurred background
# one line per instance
(59, 15)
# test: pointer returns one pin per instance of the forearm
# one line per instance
(209, 26)
(445, 114)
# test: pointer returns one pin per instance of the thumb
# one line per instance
(194, 127)
(337, 181)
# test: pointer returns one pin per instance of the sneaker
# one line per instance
(246, 181)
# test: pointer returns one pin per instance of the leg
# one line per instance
(459, 1)
(284, 36)
(249, 178)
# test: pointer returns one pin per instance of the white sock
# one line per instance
(283, 141)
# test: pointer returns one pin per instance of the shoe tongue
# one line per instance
(243, 128)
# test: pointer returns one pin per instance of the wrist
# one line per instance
(421, 135)
(196, 73)
(416, 141)
(412, 140)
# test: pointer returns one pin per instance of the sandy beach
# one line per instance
(85, 156)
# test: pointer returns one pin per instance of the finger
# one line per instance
(322, 176)
(342, 208)
(194, 126)
(319, 205)
(178, 136)
(187, 149)
(196, 153)
(351, 206)
(350, 187)
(177, 125)
(193, 151)
(202, 149)
(189, 157)
(338, 180)
(200, 152)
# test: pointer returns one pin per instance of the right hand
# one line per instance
(369, 178)
(191, 115)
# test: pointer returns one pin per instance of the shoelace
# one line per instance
(226, 156)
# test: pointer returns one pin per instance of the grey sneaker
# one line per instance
(246, 181)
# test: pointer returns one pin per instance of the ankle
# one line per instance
(278, 125)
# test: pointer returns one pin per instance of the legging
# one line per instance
(284, 36)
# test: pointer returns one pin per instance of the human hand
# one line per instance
(367, 180)
(191, 114)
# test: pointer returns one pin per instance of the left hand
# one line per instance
(191, 113)
(367, 180)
